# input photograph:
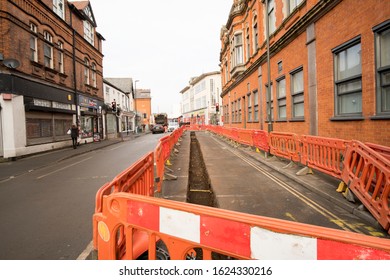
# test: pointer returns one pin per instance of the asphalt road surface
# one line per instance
(46, 212)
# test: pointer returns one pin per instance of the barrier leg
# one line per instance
(304, 171)
(342, 187)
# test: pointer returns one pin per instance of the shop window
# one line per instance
(47, 127)
(86, 126)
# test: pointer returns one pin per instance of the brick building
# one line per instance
(329, 67)
(143, 108)
(51, 74)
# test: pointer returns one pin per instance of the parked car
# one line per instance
(158, 128)
(172, 126)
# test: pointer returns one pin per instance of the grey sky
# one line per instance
(161, 43)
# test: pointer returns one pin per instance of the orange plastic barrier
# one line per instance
(137, 179)
(195, 231)
(323, 154)
(245, 136)
(260, 140)
(160, 165)
(383, 150)
(367, 174)
(286, 145)
(162, 153)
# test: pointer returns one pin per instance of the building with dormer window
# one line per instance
(52, 79)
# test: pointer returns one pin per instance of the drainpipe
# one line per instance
(76, 100)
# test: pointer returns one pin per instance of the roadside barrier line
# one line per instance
(63, 168)
(87, 251)
(315, 206)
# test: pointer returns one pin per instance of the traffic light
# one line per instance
(217, 107)
(113, 106)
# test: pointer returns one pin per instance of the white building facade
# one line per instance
(120, 117)
(201, 101)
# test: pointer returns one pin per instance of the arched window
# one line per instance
(48, 49)
(86, 71)
(60, 57)
(34, 42)
(94, 75)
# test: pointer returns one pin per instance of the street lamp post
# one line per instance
(135, 106)
(268, 69)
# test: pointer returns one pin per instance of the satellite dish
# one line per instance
(11, 63)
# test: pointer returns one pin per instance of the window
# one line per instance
(45, 128)
(48, 49)
(280, 67)
(382, 44)
(249, 108)
(348, 79)
(233, 111)
(58, 8)
(60, 57)
(239, 110)
(94, 84)
(34, 42)
(226, 112)
(238, 49)
(297, 96)
(226, 72)
(281, 92)
(88, 32)
(86, 71)
(293, 4)
(248, 45)
(256, 105)
(271, 16)
(255, 35)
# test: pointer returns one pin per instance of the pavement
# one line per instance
(238, 188)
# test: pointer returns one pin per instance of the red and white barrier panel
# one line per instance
(248, 239)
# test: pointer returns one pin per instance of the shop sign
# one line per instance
(63, 106)
(87, 102)
(42, 103)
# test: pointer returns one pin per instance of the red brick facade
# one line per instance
(311, 37)
(58, 84)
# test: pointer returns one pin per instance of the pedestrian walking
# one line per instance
(74, 133)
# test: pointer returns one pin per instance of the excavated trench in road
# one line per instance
(199, 187)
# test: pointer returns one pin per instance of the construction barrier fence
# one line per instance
(367, 173)
(128, 222)
(188, 231)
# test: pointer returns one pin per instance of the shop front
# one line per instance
(90, 124)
